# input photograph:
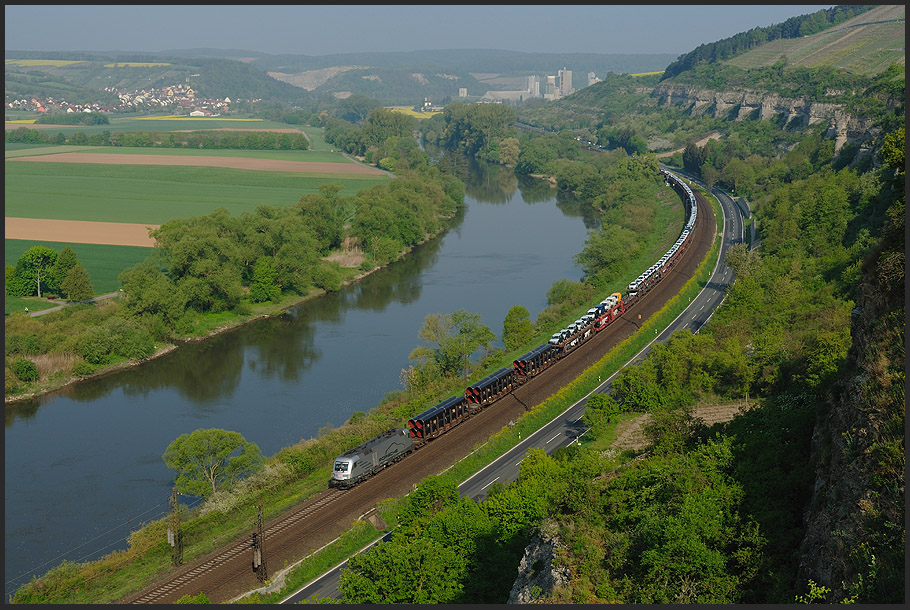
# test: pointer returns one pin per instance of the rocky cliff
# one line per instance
(740, 104)
(854, 542)
(538, 571)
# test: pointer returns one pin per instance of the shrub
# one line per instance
(243, 309)
(301, 463)
(327, 277)
(83, 369)
(10, 383)
(95, 345)
(22, 344)
(25, 369)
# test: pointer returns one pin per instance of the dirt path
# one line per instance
(711, 136)
(631, 435)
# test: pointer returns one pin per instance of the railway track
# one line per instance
(227, 573)
(277, 536)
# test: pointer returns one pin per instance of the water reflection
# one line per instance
(569, 205)
(534, 190)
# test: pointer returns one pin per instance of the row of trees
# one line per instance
(73, 118)
(240, 139)
(211, 263)
(380, 125)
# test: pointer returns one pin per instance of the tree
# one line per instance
(77, 285)
(509, 149)
(208, 458)
(66, 260)
(457, 336)
(517, 328)
(263, 286)
(710, 176)
(35, 265)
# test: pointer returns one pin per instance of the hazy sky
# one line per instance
(323, 30)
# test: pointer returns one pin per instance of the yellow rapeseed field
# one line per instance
(647, 73)
(409, 110)
(40, 62)
(135, 64)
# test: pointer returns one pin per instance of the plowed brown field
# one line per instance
(268, 165)
(79, 232)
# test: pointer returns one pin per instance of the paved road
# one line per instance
(61, 304)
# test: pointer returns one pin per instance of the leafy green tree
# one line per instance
(148, 292)
(77, 285)
(208, 458)
(35, 265)
(16, 285)
(66, 260)
(600, 409)
(457, 337)
(517, 329)
(263, 286)
(433, 494)
(509, 149)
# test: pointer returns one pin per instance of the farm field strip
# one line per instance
(245, 163)
(154, 194)
(79, 231)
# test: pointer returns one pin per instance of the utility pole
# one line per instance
(174, 536)
(258, 556)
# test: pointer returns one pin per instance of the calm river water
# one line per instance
(83, 466)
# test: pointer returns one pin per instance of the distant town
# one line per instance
(182, 99)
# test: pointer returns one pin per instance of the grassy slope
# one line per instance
(865, 49)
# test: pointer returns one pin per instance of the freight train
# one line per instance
(368, 458)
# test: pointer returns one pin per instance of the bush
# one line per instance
(83, 369)
(17, 343)
(95, 345)
(301, 463)
(25, 370)
(10, 384)
(327, 277)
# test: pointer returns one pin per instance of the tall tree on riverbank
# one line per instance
(207, 459)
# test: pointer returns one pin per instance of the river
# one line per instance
(84, 466)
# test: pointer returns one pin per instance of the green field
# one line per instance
(154, 194)
(304, 156)
(103, 263)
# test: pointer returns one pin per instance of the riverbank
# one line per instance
(346, 258)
